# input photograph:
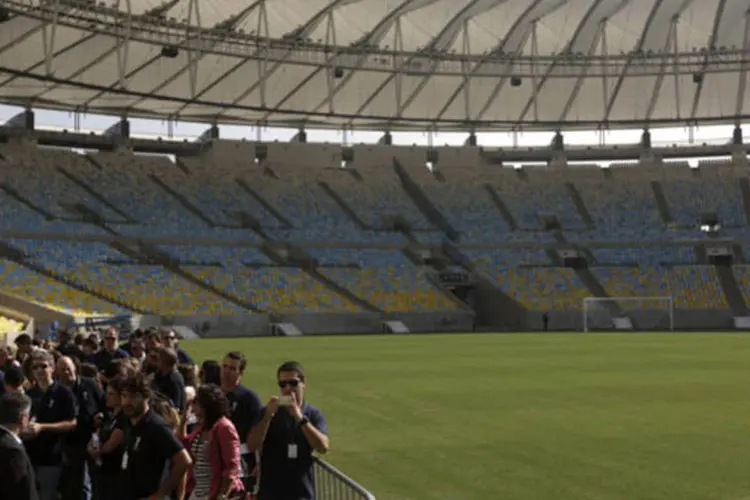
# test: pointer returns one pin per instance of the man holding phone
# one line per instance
(290, 431)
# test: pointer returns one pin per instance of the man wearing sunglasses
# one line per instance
(291, 430)
(54, 416)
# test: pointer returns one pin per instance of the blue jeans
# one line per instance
(48, 479)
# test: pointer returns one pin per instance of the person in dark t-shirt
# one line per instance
(290, 431)
(54, 415)
(150, 445)
(107, 453)
(245, 411)
(167, 381)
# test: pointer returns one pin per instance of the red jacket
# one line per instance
(224, 454)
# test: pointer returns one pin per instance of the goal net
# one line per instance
(628, 313)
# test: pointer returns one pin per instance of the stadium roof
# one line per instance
(382, 64)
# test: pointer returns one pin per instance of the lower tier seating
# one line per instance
(691, 287)
(8, 325)
(278, 289)
(21, 282)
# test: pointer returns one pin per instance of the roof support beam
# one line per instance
(371, 39)
(635, 53)
(443, 41)
(43, 62)
(123, 45)
(579, 81)
(671, 35)
(514, 43)
(301, 33)
(119, 46)
(194, 55)
(599, 12)
(49, 33)
(707, 57)
(25, 36)
(740, 103)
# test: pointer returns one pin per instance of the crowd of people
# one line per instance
(89, 419)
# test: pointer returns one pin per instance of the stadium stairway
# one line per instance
(182, 200)
(21, 199)
(584, 274)
(149, 255)
(92, 192)
(358, 222)
(581, 208)
(501, 207)
(731, 290)
(745, 190)
(661, 202)
(494, 309)
(423, 203)
(264, 203)
(299, 258)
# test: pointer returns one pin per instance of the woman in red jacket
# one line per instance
(215, 448)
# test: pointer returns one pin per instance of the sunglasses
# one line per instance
(39, 366)
(288, 383)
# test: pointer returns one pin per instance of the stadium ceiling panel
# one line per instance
(390, 64)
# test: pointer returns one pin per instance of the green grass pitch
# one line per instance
(527, 416)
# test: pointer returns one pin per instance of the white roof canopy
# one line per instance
(383, 64)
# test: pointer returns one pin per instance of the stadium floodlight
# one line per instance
(628, 313)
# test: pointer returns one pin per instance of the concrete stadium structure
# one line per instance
(238, 238)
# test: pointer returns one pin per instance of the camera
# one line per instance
(286, 400)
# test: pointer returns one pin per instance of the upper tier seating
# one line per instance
(375, 198)
(385, 279)
(128, 181)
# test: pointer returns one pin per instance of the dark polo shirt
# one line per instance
(282, 477)
(183, 357)
(103, 357)
(245, 411)
(149, 446)
(90, 401)
(56, 404)
(172, 386)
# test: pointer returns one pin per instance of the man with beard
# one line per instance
(150, 446)
(75, 483)
(167, 380)
(245, 411)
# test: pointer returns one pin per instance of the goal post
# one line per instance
(628, 313)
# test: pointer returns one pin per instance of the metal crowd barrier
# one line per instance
(332, 484)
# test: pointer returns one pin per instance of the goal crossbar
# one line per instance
(618, 312)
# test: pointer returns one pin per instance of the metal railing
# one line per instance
(332, 484)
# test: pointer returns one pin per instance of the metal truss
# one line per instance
(657, 54)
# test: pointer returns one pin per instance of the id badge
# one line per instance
(124, 464)
(292, 452)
